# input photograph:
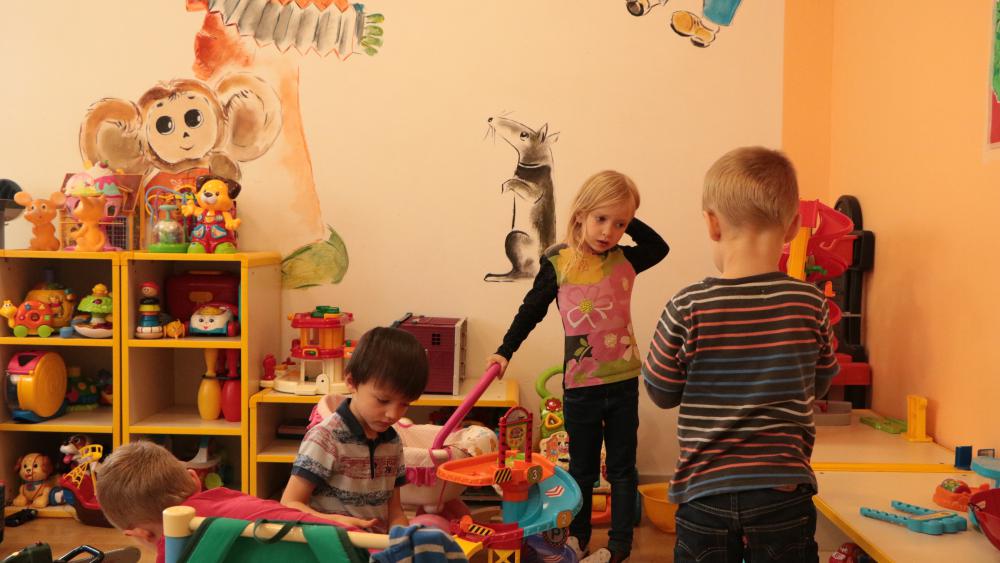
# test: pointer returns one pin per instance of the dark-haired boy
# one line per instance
(351, 463)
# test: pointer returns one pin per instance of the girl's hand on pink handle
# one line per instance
(497, 359)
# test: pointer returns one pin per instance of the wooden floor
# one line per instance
(63, 534)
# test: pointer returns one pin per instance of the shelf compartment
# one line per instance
(183, 419)
(199, 342)
(280, 450)
(96, 421)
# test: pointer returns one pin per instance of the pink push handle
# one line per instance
(459, 415)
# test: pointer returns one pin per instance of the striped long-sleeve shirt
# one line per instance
(744, 358)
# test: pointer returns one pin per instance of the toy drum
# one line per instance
(36, 385)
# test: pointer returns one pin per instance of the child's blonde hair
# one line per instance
(137, 481)
(752, 187)
(608, 187)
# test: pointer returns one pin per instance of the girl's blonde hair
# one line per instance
(605, 188)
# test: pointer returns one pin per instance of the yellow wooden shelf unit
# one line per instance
(20, 270)
(270, 454)
(160, 378)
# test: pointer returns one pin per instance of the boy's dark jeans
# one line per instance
(758, 525)
(608, 413)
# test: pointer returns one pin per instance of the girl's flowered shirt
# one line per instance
(593, 294)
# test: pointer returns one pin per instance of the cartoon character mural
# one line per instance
(184, 128)
(258, 35)
(716, 13)
(533, 220)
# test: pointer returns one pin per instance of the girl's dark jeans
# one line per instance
(609, 414)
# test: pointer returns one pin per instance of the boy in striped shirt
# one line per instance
(744, 355)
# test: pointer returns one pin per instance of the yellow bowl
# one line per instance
(658, 509)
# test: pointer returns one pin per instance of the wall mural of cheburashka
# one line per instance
(702, 30)
(532, 195)
(182, 128)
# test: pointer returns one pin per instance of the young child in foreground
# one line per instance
(351, 463)
(744, 355)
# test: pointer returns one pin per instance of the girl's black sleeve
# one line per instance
(532, 310)
(649, 247)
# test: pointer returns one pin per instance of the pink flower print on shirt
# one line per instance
(578, 374)
(586, 307)
(610, 345)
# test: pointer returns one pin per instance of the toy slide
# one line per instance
(547, 504)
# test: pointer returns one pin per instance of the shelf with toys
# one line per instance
(278, 419)
(61, 390)
(192, 323)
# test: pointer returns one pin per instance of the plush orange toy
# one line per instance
(41, 212)
(89, 212)
(34, 469)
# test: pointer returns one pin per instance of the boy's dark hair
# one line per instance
(390, 357)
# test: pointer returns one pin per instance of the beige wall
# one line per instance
(401, 165)
(908, 117)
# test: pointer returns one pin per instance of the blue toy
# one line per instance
(926, 521)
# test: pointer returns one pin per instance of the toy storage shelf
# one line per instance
(271, 456)
(160, 377)
(20, 270)
(35, 342)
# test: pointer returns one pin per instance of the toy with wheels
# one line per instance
(46, 308)
(214, 319)
(80, 484)
(537, 495)
(36, 386)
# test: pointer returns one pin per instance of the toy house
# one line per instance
(445, 340)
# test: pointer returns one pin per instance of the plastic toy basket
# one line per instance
(658, 509)
(984, 511)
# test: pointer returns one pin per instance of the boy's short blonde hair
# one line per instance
(137, 481)
(752, 187)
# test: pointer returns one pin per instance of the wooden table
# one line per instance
(860, 447)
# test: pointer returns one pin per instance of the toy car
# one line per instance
(214, 319)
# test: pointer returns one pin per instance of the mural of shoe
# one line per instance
(687, 24)
(642, 7)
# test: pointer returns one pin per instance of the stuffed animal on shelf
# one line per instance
(41, 212)
(34, 470)
(215, 228)
(90, 236)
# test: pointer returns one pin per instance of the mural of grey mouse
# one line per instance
(533, 220)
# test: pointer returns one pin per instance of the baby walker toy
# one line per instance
(538, 496)
(321, 339)
(36, 386)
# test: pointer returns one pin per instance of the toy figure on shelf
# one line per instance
(34, 470)
(150, 325)
(40, 213)
(90, 236)
(215, 227)
(220, 394)
(321, 339)
(215, 319)
(79, 487)
(72, 450)
(96, 307)
(36, 386)
(267, 379)
(175, 329)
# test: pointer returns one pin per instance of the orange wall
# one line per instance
(902, 126)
